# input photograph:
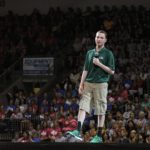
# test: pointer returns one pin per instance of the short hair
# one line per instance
(102, 31)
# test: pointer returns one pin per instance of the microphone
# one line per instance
(96, 55)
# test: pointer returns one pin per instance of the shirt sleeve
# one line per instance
(111, 61)
(86, 63)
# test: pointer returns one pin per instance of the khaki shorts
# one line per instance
(94, 94)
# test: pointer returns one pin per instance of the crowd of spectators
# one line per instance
(68, 34)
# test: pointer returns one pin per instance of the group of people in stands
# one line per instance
(68, 34)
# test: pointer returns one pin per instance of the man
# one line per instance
(99, 65)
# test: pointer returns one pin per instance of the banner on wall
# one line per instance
(38, 66)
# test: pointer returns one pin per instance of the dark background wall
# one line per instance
(26, 6)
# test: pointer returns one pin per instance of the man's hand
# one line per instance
(96, 61)
(81, 87)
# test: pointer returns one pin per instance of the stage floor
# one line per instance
(72, 146)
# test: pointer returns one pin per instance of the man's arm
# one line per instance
(83, 77)
(104, 67)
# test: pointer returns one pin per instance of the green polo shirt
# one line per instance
(95, 73)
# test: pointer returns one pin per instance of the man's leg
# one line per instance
(81, 118)
(100, 100)
(100, 124)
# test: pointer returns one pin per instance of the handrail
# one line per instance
(10, 67)
(9, 75)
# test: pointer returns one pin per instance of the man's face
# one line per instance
(100, 39)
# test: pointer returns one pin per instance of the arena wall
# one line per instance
(27, 6)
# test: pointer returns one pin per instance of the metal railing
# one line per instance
(8, 127)
(10, 75)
